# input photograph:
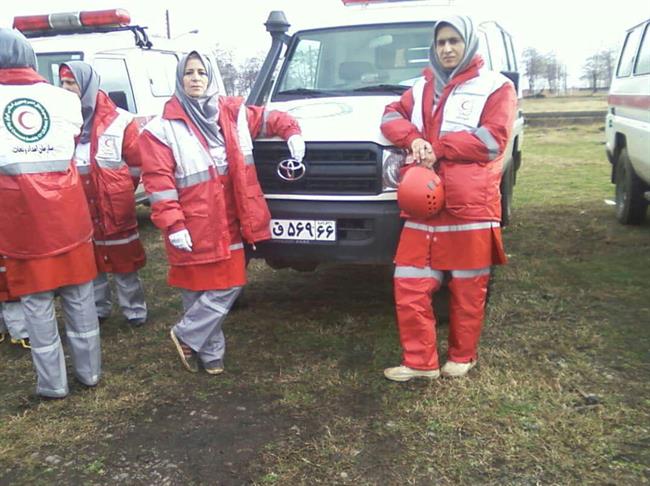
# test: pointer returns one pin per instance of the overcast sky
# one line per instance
(572, 29)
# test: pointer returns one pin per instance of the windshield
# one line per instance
(379, 59)
(48, 64)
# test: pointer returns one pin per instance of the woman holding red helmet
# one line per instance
(457, 120)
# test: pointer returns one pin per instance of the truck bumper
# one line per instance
(366, 233)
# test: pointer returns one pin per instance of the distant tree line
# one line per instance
(545, 71)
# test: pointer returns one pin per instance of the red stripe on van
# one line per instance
(632, 101)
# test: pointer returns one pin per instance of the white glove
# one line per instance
(181, 240)
(297, 147)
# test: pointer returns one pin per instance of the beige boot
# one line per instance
(404, 373)
(456, 370)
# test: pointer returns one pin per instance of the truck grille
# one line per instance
(332, 169)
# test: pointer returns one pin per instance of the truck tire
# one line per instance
(507, 188)
(631, 206)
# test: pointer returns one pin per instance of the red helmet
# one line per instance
(420, 193)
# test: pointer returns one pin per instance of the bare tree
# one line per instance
(552, 68)
(227, 69)
(598, 69)
(247, 73)
(535, 66)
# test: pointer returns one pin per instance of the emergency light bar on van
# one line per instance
(362, 2)
(72, 20)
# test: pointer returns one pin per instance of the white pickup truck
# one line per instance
(627, 126)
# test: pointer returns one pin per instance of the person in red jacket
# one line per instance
(456, 120)
(106, 155)
(45, 227)
(199, 172)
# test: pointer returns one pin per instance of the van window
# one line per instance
(48, 64)
(161, 69)
(379, 59)
(116, 82)
(629, 52)
(643, 59)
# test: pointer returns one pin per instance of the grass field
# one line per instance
(561, 395)
(596, 102)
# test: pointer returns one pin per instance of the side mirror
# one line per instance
(514, 77)
(119, 98)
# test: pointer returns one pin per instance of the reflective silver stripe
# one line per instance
(110, 164)
(484, 135)
(3, 269)
(193, 179)
(35, 167)
(45, 349)
(470, 273)
(82, 335)
(236, 246)
(135, 171)
(453, 227)
(416, 272)
(393, 115)
(168, 195)
(248, 159)
(123, 241)
(83, 169)
(265, 119)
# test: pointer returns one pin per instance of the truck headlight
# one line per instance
(393, 160)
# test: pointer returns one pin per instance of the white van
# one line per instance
(627, 126)
(340, 204)
(137, 72)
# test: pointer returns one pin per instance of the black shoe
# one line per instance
(137, 321)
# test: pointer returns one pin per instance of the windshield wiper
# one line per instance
(310, 93)
(393, 88)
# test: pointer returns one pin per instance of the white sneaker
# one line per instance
(456, 370)
(404, 373)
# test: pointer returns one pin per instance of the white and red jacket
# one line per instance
(43, 210)
(105, 166)
(469, 129)
(181, 175)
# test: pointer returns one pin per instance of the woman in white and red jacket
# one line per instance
(456, 120)
(106, 152)
(45, 227)
(205, 197)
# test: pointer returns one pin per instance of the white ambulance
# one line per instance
(340, 204)
(627, 126)
(137, 72)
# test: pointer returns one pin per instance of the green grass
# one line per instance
(560, 396)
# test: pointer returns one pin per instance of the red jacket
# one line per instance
(43, 210)
(470, 160)
(187, 193)
(108, 183)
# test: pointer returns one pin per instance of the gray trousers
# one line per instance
(130, 295)
(201, 327)
(14, 320)
(82, 333)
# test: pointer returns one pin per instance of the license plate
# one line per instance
(303, 229)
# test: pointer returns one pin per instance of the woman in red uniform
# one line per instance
(199, 173)
(106, 154)
(457, 120)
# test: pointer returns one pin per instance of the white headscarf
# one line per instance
(465, 28)
(203, 111)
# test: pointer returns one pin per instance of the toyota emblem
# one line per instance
(291, 170)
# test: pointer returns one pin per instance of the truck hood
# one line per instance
(341, 119)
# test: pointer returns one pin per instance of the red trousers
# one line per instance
(416, 321)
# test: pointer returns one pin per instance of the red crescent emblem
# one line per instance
(22, 122)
